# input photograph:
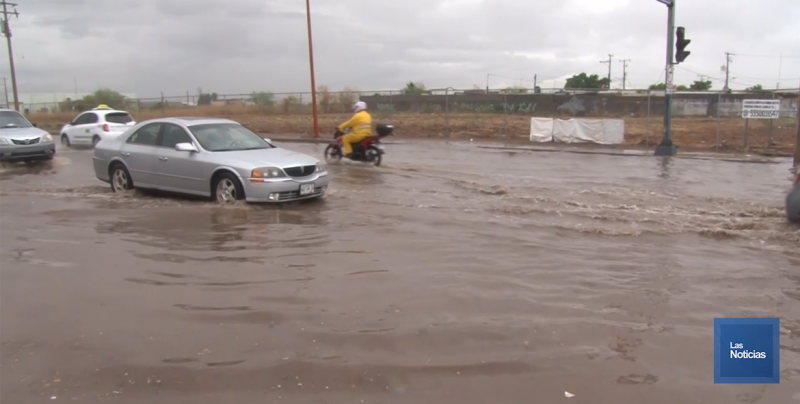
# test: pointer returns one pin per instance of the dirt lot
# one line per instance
(688, 132)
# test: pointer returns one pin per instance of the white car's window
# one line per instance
(85, 119)
(218, 137)
(13, 119)
(118, 117)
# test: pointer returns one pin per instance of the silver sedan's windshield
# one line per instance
(218, 137)
(13, 119)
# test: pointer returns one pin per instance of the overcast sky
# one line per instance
(239, 46)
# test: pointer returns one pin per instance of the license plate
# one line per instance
(306, 189)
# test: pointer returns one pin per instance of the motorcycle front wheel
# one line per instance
(333, 153)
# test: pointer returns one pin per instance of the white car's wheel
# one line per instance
(65, 140)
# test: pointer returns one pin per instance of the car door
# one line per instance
(82, 131)
(179, 171)
(139, 153)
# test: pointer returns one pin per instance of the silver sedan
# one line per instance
(210, 157)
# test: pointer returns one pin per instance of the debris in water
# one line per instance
(568, 394)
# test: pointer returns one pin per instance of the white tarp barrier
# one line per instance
(580, 130)
(541, 129)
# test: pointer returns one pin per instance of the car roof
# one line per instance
(192, 120)
(107, 111)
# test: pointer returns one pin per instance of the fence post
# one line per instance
(769, 142)
(162, 103)
(647, 137)
(505, 111)
(447, 110)
(719, 102)
(746, 130)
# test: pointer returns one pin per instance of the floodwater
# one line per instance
(454, 274)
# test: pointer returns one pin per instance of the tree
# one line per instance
(581, 81)
(347, 98)
(262, 98)
(325, 98)
(205, 98)
(700, 85)
(756, 87)
(105, 96)
(414, 87)
(663, 86)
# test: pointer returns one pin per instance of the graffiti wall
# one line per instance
(572, 104)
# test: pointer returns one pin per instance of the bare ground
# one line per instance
(689, 133)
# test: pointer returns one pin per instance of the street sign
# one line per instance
(761, 109)
(669, 88)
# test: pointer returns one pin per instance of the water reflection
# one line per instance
(18, 169)
(220, 229)
(665, 168)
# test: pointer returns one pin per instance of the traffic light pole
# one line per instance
(666, 148)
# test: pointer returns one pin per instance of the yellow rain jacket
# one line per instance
(361, 128)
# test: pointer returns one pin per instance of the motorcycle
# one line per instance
(369, 150)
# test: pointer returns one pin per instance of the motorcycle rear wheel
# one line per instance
(374, 156)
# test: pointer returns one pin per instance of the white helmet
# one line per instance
(359, 106)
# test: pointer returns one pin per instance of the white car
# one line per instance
(95, 125)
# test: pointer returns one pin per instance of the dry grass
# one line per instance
(688, 132)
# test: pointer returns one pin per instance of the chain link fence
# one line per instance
(703, 120)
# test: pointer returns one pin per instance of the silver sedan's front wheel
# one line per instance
(227, 189)
(120, 179)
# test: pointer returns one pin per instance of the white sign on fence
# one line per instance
(761, 109)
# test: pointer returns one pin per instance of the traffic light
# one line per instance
(681, 54)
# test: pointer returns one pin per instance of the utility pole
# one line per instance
(7, 33)
(624, 71)
(609, 68)
(311, 62)
(727, 69)
(797, 138)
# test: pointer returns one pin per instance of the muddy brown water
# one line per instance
(454, 274)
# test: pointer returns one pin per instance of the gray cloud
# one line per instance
(174, 46)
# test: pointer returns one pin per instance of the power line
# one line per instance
(624, 71)
(7, 33)
(766, 56)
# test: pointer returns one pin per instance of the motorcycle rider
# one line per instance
(360, 126)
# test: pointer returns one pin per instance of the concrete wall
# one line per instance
(573, 105)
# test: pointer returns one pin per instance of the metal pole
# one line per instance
(666, 148)
(647, 139)
(162, 103)
(719, 102)
(311, 62)
(5, 87)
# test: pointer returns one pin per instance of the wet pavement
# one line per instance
(453, 274)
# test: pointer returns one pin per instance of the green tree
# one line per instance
(262, 98)
(414, 87)
(663, 86)
(581, 81)
(105, 96)
(701, 85)
(756, 87)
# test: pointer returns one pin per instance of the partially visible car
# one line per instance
(101, 123)
(21, 140)
(210, 157)
(793, 200)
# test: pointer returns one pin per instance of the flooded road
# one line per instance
(454, 274)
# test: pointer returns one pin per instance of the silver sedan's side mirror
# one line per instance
(185, 147)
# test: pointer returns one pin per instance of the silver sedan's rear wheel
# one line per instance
(120, 178)
(227, 189)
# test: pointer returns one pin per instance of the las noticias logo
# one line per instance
(747, 350)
